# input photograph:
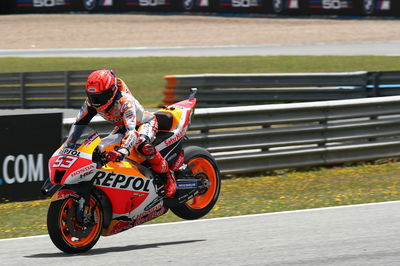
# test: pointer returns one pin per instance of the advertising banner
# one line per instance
(351, 7)
(43, 5)
(149, 5)
(27, 142)
(196, 5)
(260, 6)
(55, 6)
(304, 7)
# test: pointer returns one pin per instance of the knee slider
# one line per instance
(145, 147)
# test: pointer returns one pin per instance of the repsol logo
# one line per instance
(70, 152)
(114, 180)
(22, 168)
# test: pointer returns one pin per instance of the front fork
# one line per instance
(81, 195)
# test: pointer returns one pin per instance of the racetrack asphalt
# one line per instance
(365, 234)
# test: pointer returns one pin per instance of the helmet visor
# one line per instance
(100, 98)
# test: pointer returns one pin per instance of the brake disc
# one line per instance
(76, 230)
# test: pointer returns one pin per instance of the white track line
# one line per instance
(238, 217)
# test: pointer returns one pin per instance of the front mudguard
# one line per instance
(66, 192)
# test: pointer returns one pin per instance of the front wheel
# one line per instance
(65, 231)
(202, 165)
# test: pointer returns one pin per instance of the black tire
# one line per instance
(64, 231)
(200, 161)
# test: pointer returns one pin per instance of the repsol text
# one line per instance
(114, 180)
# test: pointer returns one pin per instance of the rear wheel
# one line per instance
(203, 166)
(65, 231)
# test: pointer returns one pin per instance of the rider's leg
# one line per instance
(156, 160)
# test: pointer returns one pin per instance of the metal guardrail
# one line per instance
(43, 89)
(265, 137)
(244, 89)
(64, 88)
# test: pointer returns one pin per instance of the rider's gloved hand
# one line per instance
(117, 155)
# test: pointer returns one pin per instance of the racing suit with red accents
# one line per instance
(126, 113)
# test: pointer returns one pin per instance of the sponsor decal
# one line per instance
(148, 3)
(120, 226)
(188, 4)
(90, 139)
(63, 194)
(330, 4)
(43, 3)
(148, 215)
(114, 180)
(22, 168)
(85, 171)
(89, 4)
(187, 184)
(70, 152)
(240, 3)
(175, 138)
(245, 3)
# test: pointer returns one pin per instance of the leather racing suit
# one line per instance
(126, 113)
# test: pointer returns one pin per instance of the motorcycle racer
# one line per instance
(110, 97)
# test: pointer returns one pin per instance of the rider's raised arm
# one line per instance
(85, 114)
(129, 118)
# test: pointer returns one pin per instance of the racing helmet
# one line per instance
(101, 88)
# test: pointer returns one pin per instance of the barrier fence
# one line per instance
(340, 7)
(242, 89)
(265, 137)
(43, 89)
(64, 88)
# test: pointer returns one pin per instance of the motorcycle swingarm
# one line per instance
(184, 184)
(186, 190)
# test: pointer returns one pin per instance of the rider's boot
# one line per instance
(170, 184)
(160, 166)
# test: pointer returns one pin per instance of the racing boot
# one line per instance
(170, 184)
(160, 166)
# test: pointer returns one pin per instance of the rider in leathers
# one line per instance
(110, 97)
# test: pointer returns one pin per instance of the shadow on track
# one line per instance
(100, 251)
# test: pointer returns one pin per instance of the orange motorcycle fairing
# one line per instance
(129, 191)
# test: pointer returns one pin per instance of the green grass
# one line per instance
(145, 75)
(239, 196)
(249, 195)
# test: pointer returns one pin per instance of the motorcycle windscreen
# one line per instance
(73, 161)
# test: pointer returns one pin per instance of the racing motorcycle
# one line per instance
(96, 197)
